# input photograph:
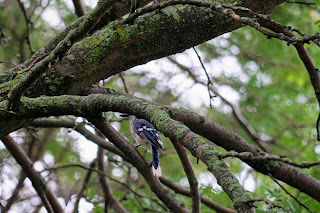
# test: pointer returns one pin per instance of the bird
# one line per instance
(148, 137)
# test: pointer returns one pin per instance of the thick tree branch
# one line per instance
(267, 157)
(167, 126)
(74, 35)
(66, 123)
(230, 141)
(117, 47)
(92, 104)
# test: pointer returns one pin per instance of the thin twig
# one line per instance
(84, 186)
(236, 112)
(11, 62)
(288, 193)
(269, 203)
(37, 59)
(208, 78)
(79, 127)
(124, 83)
(28, 23)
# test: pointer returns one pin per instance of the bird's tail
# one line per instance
(156, 169)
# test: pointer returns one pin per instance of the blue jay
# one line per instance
(148, 137)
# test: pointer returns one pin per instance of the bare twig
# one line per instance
(28, 23)
(209, 82)
(236, 112)
(67, 123)
(124, 83)
(288, 193)
(37, 59)
(65, 166)
(11, 62)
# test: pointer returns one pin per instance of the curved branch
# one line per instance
(118, 47)
(81, 105)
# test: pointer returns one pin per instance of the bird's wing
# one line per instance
(147, 131)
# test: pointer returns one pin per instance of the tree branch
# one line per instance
(74, 35)
(235, 111)
(34, 157)
(79, 9)
(186, 192)
(78, 105)
(193, 182)
(48, 198)
(84, 186)
(28, 23)
(267, 157)
(67, 123)
(109, 198)
(139, 162)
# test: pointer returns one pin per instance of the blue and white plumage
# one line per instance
(148, 137)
